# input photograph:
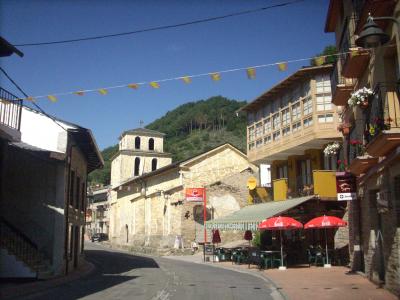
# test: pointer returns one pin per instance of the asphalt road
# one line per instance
(120, 275)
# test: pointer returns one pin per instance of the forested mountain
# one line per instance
(190, 129)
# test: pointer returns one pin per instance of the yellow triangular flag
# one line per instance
(133, 86)
(31, 99)
(52, 98)
(251, 73)
(187, 79)
(103, 91)
(282, 66)
(319, 61)
(154, 85)
(79, 93)
(215, 76)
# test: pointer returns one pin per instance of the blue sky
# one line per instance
(279, 34)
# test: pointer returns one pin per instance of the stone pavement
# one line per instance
(310, 282)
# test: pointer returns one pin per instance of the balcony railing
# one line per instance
(341, 87)
(10, 110)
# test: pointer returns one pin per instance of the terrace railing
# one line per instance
(10, 110)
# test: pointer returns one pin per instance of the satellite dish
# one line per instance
(251, 183)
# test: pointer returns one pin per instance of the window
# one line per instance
(324, 102)
(285, 117)
(151, 144)
(285, 131)
(305, 89)
(276, 105)
(323, 83)
(137, 165)
(330, 162)
(267, 126)
(251, 134)
(154, 164)
(258, 129)
(251, 146)
(259, 115)
(250, 118)
(267, 139)
(308, 122)
(304, 173)
(282, 172)
(285, 99)
(259, 143)
(328, 118)
(276, 135)
(307, 106)
(296, 126)
(276, 120)
(296, 111)
(137, 142)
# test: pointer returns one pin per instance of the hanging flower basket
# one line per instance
(332, 149)
(360, 98)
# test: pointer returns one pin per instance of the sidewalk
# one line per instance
(311, 283)
(14, 290)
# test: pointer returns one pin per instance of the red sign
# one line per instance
(345, 186)
(194, 194)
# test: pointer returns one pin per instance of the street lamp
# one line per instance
(372, 35)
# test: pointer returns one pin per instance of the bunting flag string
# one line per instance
(215, 76)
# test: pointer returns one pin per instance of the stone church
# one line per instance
(148, 205)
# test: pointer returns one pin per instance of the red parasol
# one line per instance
(216, 239)
(280, 223)
(325, 222)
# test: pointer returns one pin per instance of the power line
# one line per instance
(162, 27)
(26, 95)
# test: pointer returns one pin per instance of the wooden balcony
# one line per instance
(355, 62)
(341, 87)
(325, 184)
(361, 164)
(385, 117)
(280, 187)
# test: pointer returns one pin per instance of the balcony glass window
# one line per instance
(285, 117)
(296, 111)
(267, 126)
(308, 122)
(323, 83)
(307, 106)
(259, 115)
(267, 139)
(296, 94)
(296, 126)
(285, 99)
(285, 131)
(305, 89)
(258, 129)
(277, 135)
(276, 120)
(324, 102)
(259, 143)
(328, 118)
(251, 146)
(251, 134)
(276, 104)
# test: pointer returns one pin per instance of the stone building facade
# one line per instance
(150, 210)
(372, 144)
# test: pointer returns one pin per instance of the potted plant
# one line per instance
(377, 125)
(360, 97)
(360, 148)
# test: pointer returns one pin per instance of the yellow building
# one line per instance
(368, 66)
(289, 126)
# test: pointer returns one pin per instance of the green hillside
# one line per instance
(190, 129)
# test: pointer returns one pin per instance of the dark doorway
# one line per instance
(151, 144)
(137, 142)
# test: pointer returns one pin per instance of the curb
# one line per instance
(34, 288)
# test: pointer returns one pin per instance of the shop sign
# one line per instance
(194, 194)
(345, 186)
